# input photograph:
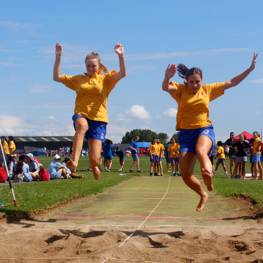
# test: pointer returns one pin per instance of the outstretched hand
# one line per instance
(119, 49)
(253, 63)
(170, 71)
(59, 50)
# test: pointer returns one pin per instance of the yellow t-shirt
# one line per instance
(161, 146)
(12, 147)
(5, 147)
(193, 109)
(221, 152)
(92, 94)
(155, 149)
(256, 144)
(172, 150)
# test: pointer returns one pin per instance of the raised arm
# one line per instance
(169, 73)
(236, 80)
(56, 72)
(120, 52)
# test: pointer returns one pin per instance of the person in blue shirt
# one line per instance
(107, 149)
(121, 154)
(56, 169)
(166, 154)
(70, 174)
(34, 167)
(134, 151)
(10, 165)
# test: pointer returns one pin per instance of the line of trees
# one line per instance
(147, 135)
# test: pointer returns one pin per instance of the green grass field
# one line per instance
(36, 196)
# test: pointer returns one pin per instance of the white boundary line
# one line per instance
(145, 218)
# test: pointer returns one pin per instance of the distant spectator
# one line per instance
(5, 145)
(22, 173)
(107, 149)
(34, 167)
(56, 170)
(232, 152)
(257, 156)
(73, 175)
(134, 152)
(121, 154)
(221, 157)
(241, 158)
(12, 144)
(166, 154)
(3, 174)
(10, 166)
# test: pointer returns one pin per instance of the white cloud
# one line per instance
(122, 117)
(257, 81)
(171, 112)
(38, 88)
(16, 27)
(139, 112)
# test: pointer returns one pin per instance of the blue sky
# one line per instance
(217, 36)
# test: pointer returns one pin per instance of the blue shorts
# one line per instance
(232, 156)
(160, 159)
(57, 175)
(107, 157)
(251, 159)
(221, 160)
(168, 160)
(177, 159)
(256, 158)
(135, 157)
(173, 160)
(261, 158)
(187, 138)
(97, 129)
(154, 158)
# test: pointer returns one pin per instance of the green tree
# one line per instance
(145, 135)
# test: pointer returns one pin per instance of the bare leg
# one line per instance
(81, 126)
(173, 167)
(260, 171)
(255, 171)
(138, 164)
(252, 169)
(217, 163)
(224, 166)
(132, 164)
(202, 148)
(110, 164)
(63, 172)
(94, 156)
(187, 163)
(151, 167)
(77, 176)
(244, 169)
(161, 167)
(232, 161)
(168, 166)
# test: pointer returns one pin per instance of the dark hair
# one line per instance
(153, 139)
(3, 137)
(66, 160)
(231, 133)
(11, 138)
(184, 72)
(19, 167)
(219, 143)
(172, 138)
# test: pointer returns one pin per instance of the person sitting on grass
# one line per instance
(257, 156)
(10, 166)
(34, 167)
(241, 157)
(22, 173)
(72, 175)
(221, 156)
(56, 170)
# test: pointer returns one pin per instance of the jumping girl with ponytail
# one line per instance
(196, 136)
(90, 115)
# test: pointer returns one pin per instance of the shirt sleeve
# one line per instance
(178, 90)
(215, 90)
(71, 82)
(110, 80)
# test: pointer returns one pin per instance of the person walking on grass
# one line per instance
(134, 152)
(257, 156)
(90, 115)
(241, 157)
(196, 136)
(232, 152)
(221, 157)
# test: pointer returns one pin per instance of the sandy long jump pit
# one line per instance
(140, 220)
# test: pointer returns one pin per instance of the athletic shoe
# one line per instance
(151, 174)
(225, 172)
(139, 171)
(131, 171)
(106, 169)
(89, 170)
(214, 172)
(155, 174)
(179, 174)
(101, 170)
(173, 174)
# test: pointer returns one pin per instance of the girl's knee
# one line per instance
(94, 161)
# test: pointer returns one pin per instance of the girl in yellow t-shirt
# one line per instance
(154, 152)
(5, 145)
(257, 156)
(12, 145)
(90, 115)
(196, 136)
(221, 157)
